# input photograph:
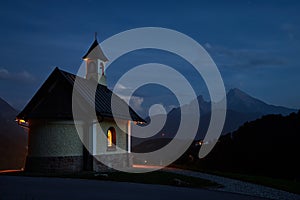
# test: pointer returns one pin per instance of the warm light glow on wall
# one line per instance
(139, 123)
(22, 122)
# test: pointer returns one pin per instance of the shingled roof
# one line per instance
(54, 99)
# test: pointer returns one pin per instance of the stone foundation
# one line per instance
(70, 164)
(123, 160)
(61, 164)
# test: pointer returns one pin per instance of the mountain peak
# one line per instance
(237, 92)
(239, 100)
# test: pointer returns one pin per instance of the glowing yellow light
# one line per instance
(109, 138)
(22, 121)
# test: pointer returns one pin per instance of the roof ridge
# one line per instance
(102, 97)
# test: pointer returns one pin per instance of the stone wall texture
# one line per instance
(53, 146)
(53, 139)
(112, 161)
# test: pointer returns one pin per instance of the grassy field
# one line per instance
(156, 177)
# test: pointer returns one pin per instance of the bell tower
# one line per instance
(95, 61)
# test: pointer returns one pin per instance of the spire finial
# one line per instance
(95, 35)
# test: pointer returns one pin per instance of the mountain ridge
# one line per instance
(241, 108)
(13, 139)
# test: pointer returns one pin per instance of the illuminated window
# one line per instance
(111, 138)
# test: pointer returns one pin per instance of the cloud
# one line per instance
(120, 87)
(245, 58)
(290, 30)
(265, 62)
(3, 73)
(207, 45)
(135, 102)
(23, 76)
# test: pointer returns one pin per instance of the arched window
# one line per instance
(111, 138)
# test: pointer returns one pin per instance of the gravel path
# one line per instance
(240, 187)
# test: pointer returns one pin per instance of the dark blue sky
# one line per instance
(255, 44)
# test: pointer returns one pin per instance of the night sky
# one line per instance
(255, 44)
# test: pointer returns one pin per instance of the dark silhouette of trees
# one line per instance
(268, 146)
